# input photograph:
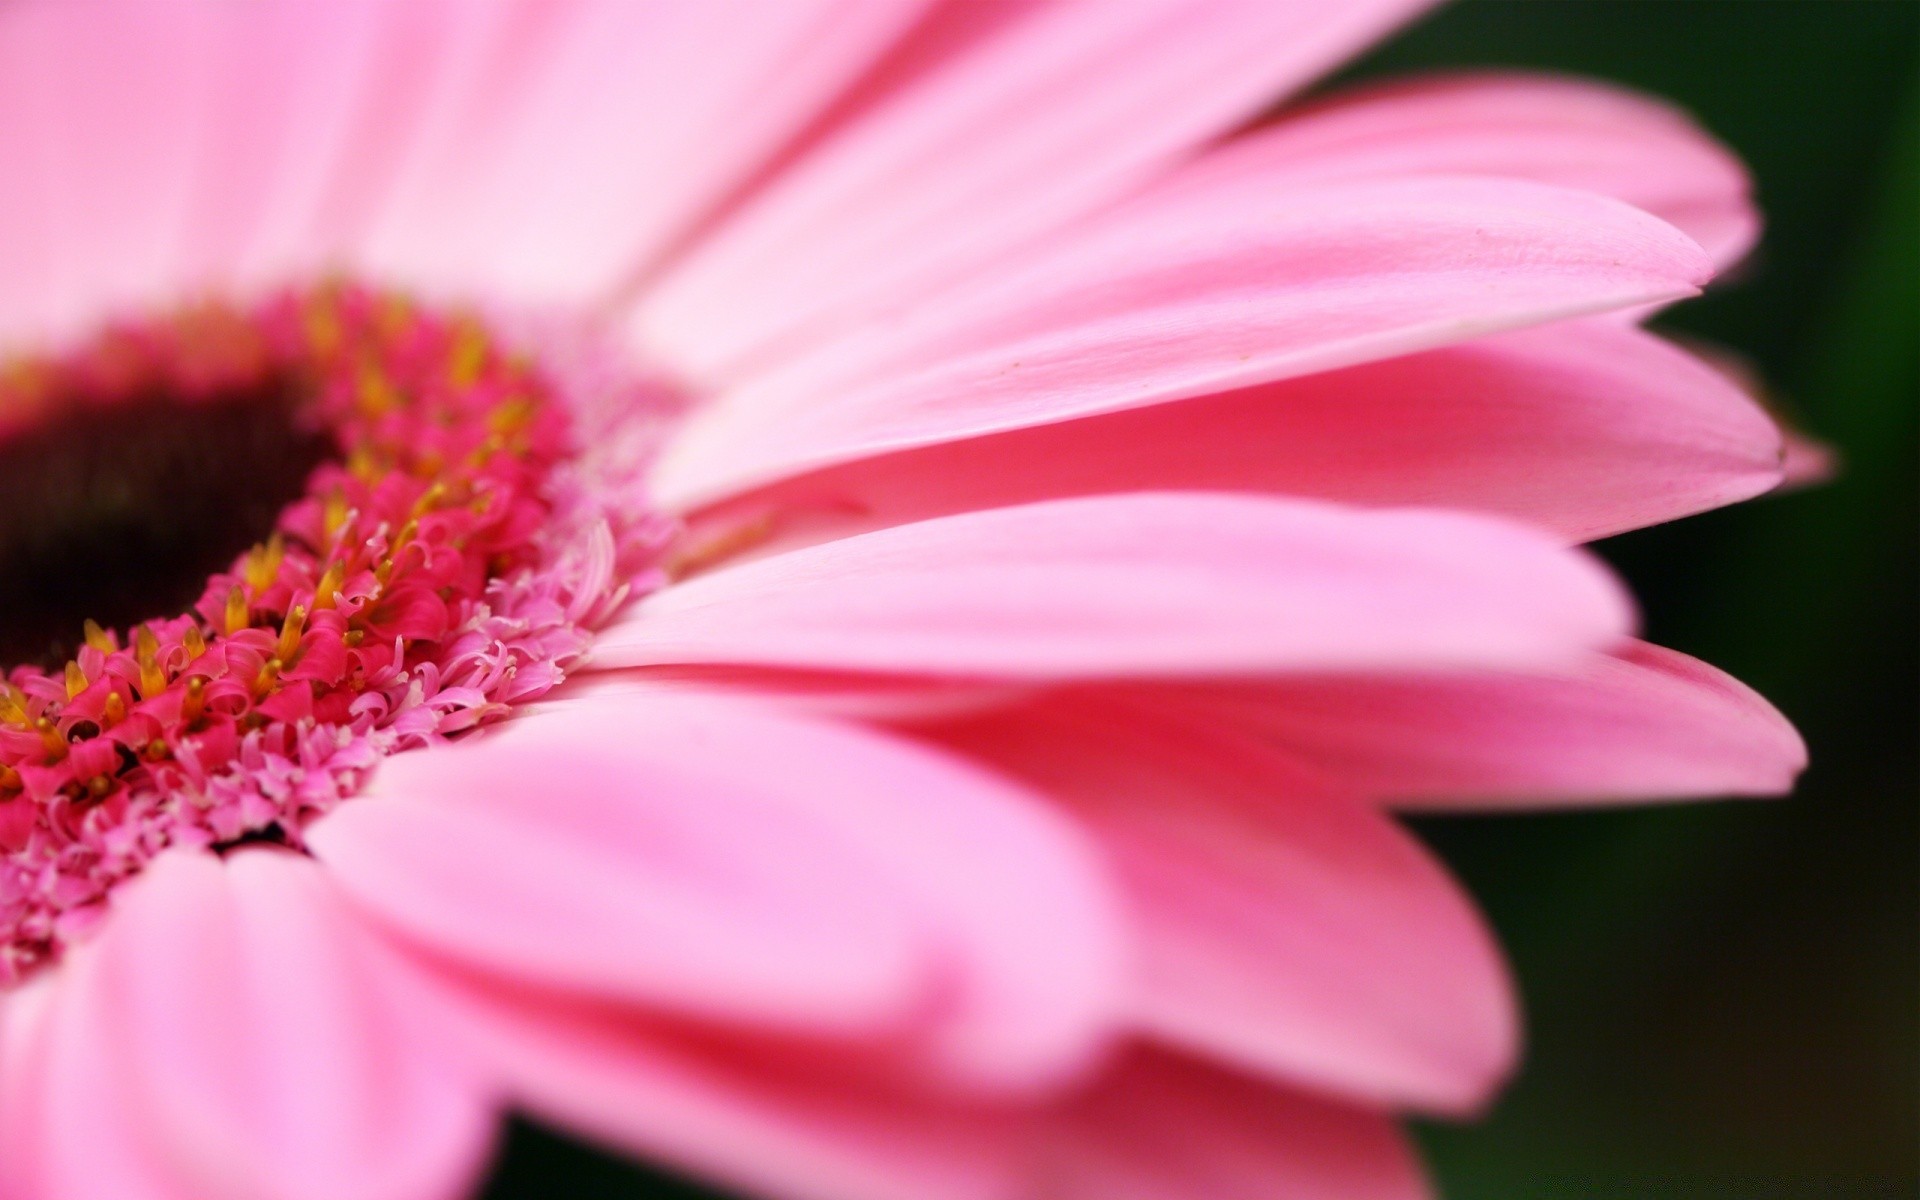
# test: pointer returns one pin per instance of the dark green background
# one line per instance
(1722, 998)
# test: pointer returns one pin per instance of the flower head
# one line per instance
(831, 592)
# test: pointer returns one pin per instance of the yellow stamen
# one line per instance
(195, 701)
(97, 637)
(263, 563)
(194, 641)
(115, 708)
(327, 592)
(290, 631)
(77, 680)
(237, 611)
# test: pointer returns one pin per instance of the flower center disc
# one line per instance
(246, 552)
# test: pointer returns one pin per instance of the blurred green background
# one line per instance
(1723, 999)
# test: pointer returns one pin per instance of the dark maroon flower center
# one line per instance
(120, 512)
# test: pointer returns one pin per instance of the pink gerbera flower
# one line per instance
(831, 592)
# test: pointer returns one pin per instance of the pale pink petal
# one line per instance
(228, 1037)
(726, 1109)
(722, 859)
(1571, 132)
(1165, 1128)
(614, 127)
(1285, 925)
(1643, 724)
(66, 1130)
(104, 105)
(1195, 293)
(1166, 584)
(1007, 122)
(1587, 428)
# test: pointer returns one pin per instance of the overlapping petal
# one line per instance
(721, 860)
(1285, 926)
(1154, 584)
(1586, 428)
(1201, 293)
(998, 123)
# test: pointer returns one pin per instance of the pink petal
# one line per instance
(102, 108)
(1587, 428)
(1571, 132)
(621, 123)
(718, 858)
(1201, 292)
(1286, 927)
(1163, 584)
(1007, 121)
(234, 1025)
(729, 1112)
(1642, 724)
(66, 1130)
(1166, 1128)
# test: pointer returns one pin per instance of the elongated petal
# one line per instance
(603, 130)
(1231, 286)
(716, 858)
(1286, 926)
(236, 1028)
(1167, 584)
(733, 1112)
(1553, 129)
(1643, 724)
(1001, 122)
(1586, 428)
(1166, 1128)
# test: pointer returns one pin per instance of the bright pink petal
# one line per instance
(1164, 1128)
(1285, 926)
(1643, 724)
(1013, 120)
(1570, 132)
(230, 1038)
(615, 126)
(1165, 584)
(1197, 293)
(729, 1110)
(721, 859)
(1587, 428)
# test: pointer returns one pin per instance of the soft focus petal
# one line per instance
(1194, 294)
(1000, 122)
(1643, 724)
(722, 859)
(1165, 1128)
(1285, 926)
(1144, 584)
(101, 108)
(1571, 132)
(1587, 428)
(229, 1038)
(731, 1111)
(594, 132)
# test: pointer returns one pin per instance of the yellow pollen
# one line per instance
(237, 611)
(333, 516)
(429, 500)
(327, 592)
(353, 637)
(156, 750)
(77, 680)
(115, 708)
(268, 676)
(13, 706)
(263, 563)
(99, 786)
(56, 746)
(290, 631)
(10, 780)
(97, 637)
(194, 641)
(195, 702)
